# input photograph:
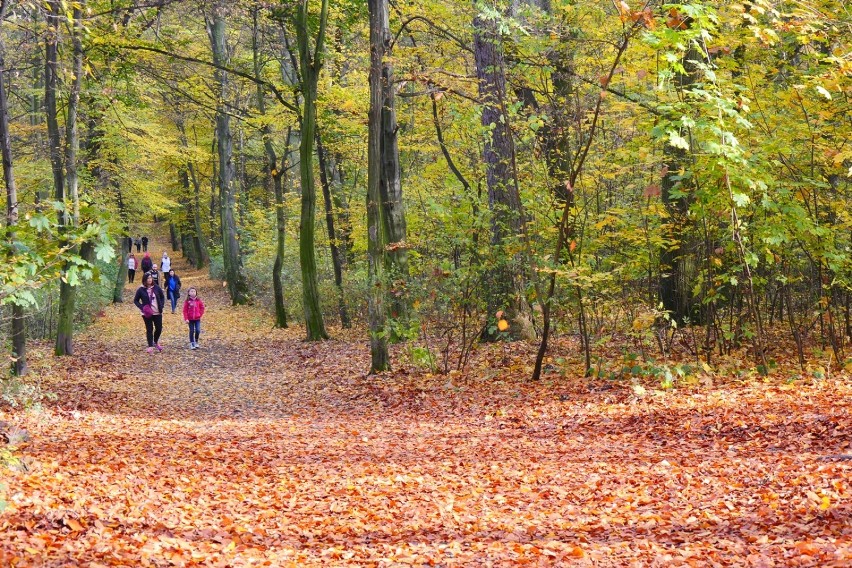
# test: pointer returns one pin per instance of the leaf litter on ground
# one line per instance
(260, 449)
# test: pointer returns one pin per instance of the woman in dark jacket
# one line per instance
(172, 288)
(147, 263)
(150, 301)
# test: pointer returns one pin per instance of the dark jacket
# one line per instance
(141, 298)
(146, 264)
(167, 288)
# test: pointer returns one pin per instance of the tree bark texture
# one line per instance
(379, 354)
(310, 66)
(231, 253)
(65, 323)
(393, 210)
(504, 281)
(675, 276)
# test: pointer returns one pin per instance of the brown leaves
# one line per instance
(260, 449)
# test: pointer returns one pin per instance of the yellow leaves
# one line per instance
(644, 321)
(624, 11)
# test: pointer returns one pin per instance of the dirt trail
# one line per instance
(260, 449)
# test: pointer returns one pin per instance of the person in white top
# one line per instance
(165, 263)
(131, 268)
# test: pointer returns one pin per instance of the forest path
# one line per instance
(243, 368)
(261, 449)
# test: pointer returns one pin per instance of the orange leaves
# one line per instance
(675, 20)
(267, 451)
(627, 14)
(72, 524)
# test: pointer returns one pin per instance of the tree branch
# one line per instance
(279, 95)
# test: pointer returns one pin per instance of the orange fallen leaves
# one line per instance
(260, 449)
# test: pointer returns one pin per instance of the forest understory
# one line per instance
(260, 449)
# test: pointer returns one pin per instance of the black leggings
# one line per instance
(153, 329)
(131, 273)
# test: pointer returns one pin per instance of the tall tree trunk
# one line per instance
(174, 236)
(379, 354)
(393, 211)
(231, 253)
(187, 226)
(505, 283)
(274, 176)
(310, 66)
(19, 333)
(67, 292)
(280, 232)
(242, 208)
(199, 242)
(341, 207)
(675, 288)
(72, 134)
(333, 241)
(51, 117)
(35, 103)
(121, 277)
(123, 253)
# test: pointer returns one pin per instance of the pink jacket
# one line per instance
(193, 309)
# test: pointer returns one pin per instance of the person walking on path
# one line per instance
(145, 243)
(172, 287)
(155, 274)
(165, 263)
(149, 299)
(193, 310)
(138, 242)
(147, 263)
(131, 268)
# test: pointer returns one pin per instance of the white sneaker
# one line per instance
(192, 345)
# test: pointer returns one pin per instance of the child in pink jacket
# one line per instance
(193, 310)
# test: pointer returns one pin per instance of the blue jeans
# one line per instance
(194, 330)
(173, 298)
